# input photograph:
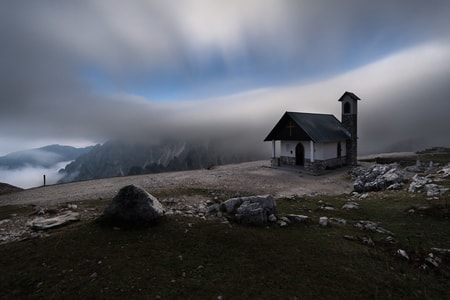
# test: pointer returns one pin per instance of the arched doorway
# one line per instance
(299, 155)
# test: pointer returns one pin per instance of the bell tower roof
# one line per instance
(349, 94)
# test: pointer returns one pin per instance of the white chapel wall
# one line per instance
(322, 151)
(329, 151)
(287, 148)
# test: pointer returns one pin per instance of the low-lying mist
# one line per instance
(32, 176)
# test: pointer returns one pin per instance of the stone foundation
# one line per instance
(317, 165)
(286, 160)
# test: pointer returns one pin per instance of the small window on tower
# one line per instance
(346, 108)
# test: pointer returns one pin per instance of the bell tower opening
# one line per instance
(347, 108)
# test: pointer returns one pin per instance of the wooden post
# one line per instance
(311, 149)
(273, 149)
(44, 179)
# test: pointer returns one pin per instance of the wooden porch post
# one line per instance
(273, 149)
(311, 144)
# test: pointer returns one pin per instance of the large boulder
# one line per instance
(253, 210)
(132, 207)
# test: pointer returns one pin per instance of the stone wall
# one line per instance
(287, 160)
(317, 165)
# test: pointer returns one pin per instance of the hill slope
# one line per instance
(7, 188)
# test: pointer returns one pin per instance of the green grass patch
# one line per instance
(187, 258)
(20, 210)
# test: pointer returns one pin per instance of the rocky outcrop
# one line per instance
(444, 172)
(132, 207)
(378, 177)
(425, 184)
(253, 210)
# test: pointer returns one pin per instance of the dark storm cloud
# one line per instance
(210, 46)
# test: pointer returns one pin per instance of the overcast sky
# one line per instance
(81, 72)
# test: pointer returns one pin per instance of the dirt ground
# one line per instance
(251, 177)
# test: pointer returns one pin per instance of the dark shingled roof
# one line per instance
(320, 128)
(353, 96)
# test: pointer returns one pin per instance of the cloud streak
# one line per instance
(93, 70)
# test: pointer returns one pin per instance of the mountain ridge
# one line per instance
(119, 158)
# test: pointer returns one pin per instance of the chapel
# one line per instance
(317, 141)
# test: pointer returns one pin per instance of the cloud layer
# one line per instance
(95, 70)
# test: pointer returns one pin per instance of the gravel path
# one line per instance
(252, 177)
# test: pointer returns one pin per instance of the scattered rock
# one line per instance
(368, 242)
(297, 218)
(418, 182)
(372, 226)
(441, 250)
(444, 172)
(434, 190)
(402, 254)
(286, 219)
(350, 205)
(350, 237)
(41, 223)
(282, 223)
(359, 195)
(132, 207)
(364, 240)
(433, 260)
(323, 221)
(4, 221)
(272, 218)
(391, 240)
(338, 221)
(327, 207)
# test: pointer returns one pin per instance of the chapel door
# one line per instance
(299, 155)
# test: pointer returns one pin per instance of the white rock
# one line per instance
(323, 221)
(338, 221)
(298, 218)
(402, 253)
(43, 224)
(350, 205)
(282, 223)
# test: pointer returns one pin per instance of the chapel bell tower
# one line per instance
(349, 120)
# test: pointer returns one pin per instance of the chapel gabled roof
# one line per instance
(320, 128)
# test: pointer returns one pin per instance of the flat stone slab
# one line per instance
(60, 220)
